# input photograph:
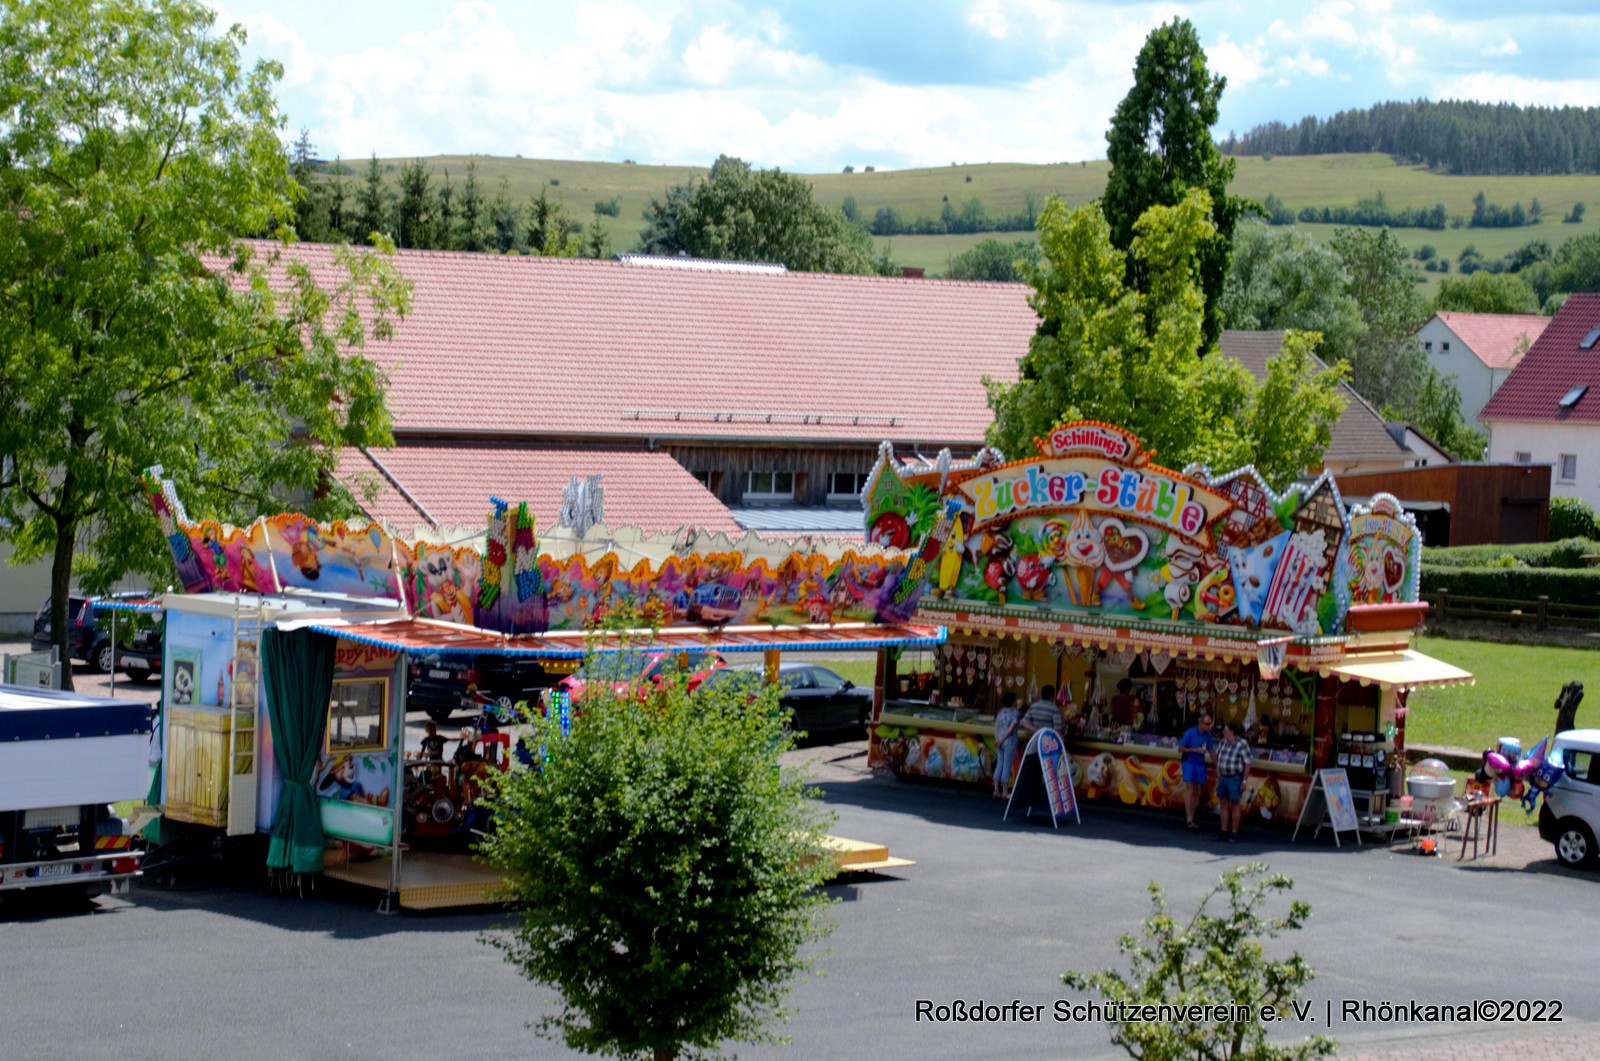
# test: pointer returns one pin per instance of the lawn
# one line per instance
(1514, 696)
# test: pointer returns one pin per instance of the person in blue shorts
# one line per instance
(1233, 759)
(1195, 745)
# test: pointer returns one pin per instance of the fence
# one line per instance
(1539, 614)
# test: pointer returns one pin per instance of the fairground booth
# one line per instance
(289, 651)
(1142, 597)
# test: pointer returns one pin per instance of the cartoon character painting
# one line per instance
(1085, 552)
(339, 781)
(1123, 547)
(1181, 573)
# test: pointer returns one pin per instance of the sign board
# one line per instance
(38, 670)
(1330, 798)
(1045, 777)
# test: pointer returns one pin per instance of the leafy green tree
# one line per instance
(664, 869)
(743, 214)
(504, 219)
(1486, 292)
(310, 205)
(1282, 279)
(1209, 956)
(338, 204)
(596, 241)
(1105, 351)
(993, 260)
(136, 329)
(446, 234)
(1577, 264)
(1572, 517)
(372, 203)
(1160, 147)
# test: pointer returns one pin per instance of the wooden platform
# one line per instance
(435, 880)
(429, 880)
(858, 856)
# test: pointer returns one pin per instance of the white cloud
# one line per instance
(1505, 47)
(718, 56)
(1524, 91)
(1241, 64)
(1014, 19)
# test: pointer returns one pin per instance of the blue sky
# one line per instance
(814, 85)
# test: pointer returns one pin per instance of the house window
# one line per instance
(710, 480)
(769, 486)
(846, 486)
(1569, 467)
(358, 715)
(1428, 347)
(1524, 457)
(1445, 346)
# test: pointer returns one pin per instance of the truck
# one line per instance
(64, 759)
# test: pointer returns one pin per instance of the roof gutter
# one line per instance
(399, 486)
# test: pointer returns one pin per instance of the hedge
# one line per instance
(1561, 585)
(1568, 554)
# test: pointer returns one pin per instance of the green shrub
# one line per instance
(1572, 517)
(1561, 585)
(1567, 553)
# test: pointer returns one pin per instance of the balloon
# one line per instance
(1523, 769)
(1516, 788)
(1502, 786)
(1496, 763)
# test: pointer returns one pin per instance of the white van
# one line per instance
(1570, 817)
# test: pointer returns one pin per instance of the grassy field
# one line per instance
(1319, 180)
(1514, 696)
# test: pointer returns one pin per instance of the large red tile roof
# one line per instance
(452, 483)
(556, 347)
(1552, 368)
(1496, 339)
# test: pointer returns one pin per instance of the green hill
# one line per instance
(1315, 180)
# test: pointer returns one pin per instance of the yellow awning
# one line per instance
(1403, 670)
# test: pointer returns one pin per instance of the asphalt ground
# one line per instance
(992, 912)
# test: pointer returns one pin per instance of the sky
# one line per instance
(816, 85)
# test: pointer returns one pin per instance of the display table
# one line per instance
(1481, 821)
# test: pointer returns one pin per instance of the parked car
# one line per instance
(139, 655)
(641, 667)
(1570, 816)
(820, 701)
(89, 640)
(439, 684)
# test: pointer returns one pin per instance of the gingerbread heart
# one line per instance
(1125, 546)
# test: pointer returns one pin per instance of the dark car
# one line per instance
(89, 639)
(821, 702)
(643, 668)
(139, 653)
(438, 684)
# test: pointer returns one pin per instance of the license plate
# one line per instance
(60, 869)
(439, 674)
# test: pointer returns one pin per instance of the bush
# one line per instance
(611, 207)
(1561, 585)
(1567, 554)
(1572, 517)
(663, 867)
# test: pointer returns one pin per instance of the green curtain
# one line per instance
(297, 670)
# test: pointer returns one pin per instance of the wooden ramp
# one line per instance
(859, 856)
(429, 880)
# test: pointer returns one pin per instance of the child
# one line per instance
(1005, 743)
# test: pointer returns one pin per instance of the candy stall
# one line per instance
(1135, 597)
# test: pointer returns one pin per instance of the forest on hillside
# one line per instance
(1457, 137)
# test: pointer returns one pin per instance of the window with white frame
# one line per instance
(1568, 467)
(846, 486)
(1524, 457)
(769, 486)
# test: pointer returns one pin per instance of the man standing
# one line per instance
(1196, 744)
(1042, 713)
(1233, 758)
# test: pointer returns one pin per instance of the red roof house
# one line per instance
(1548, 409)
(1479, 350)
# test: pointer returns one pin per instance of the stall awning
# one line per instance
(1403, 670)
(422, 635)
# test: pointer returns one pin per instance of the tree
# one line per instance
(663, 868)
(743, 214)
(1486, 292)
(551, 232)
(992, 260)
(136, 329)
(504, 219)
(1133, 358)
(372, 203)
(1572, 517)
(445, 236)
(310, 206)
(475, 219)
(1281, 280)
(416, 213)
(1160, 146)
(1210, 956)
(596, 242)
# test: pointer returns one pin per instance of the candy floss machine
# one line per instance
(1432, 790)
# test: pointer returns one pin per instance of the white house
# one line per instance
(1479, 350)
(1548, 409)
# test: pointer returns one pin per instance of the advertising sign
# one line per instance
(1045, 777)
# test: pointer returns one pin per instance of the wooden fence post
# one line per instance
(1544, 611)
(1443, 600)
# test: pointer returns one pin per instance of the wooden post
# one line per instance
(771, 659)
(1544, 611)
(1444, 604)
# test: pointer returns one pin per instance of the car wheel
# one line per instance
(103, 658)
(140, 677)
(1575, 843)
